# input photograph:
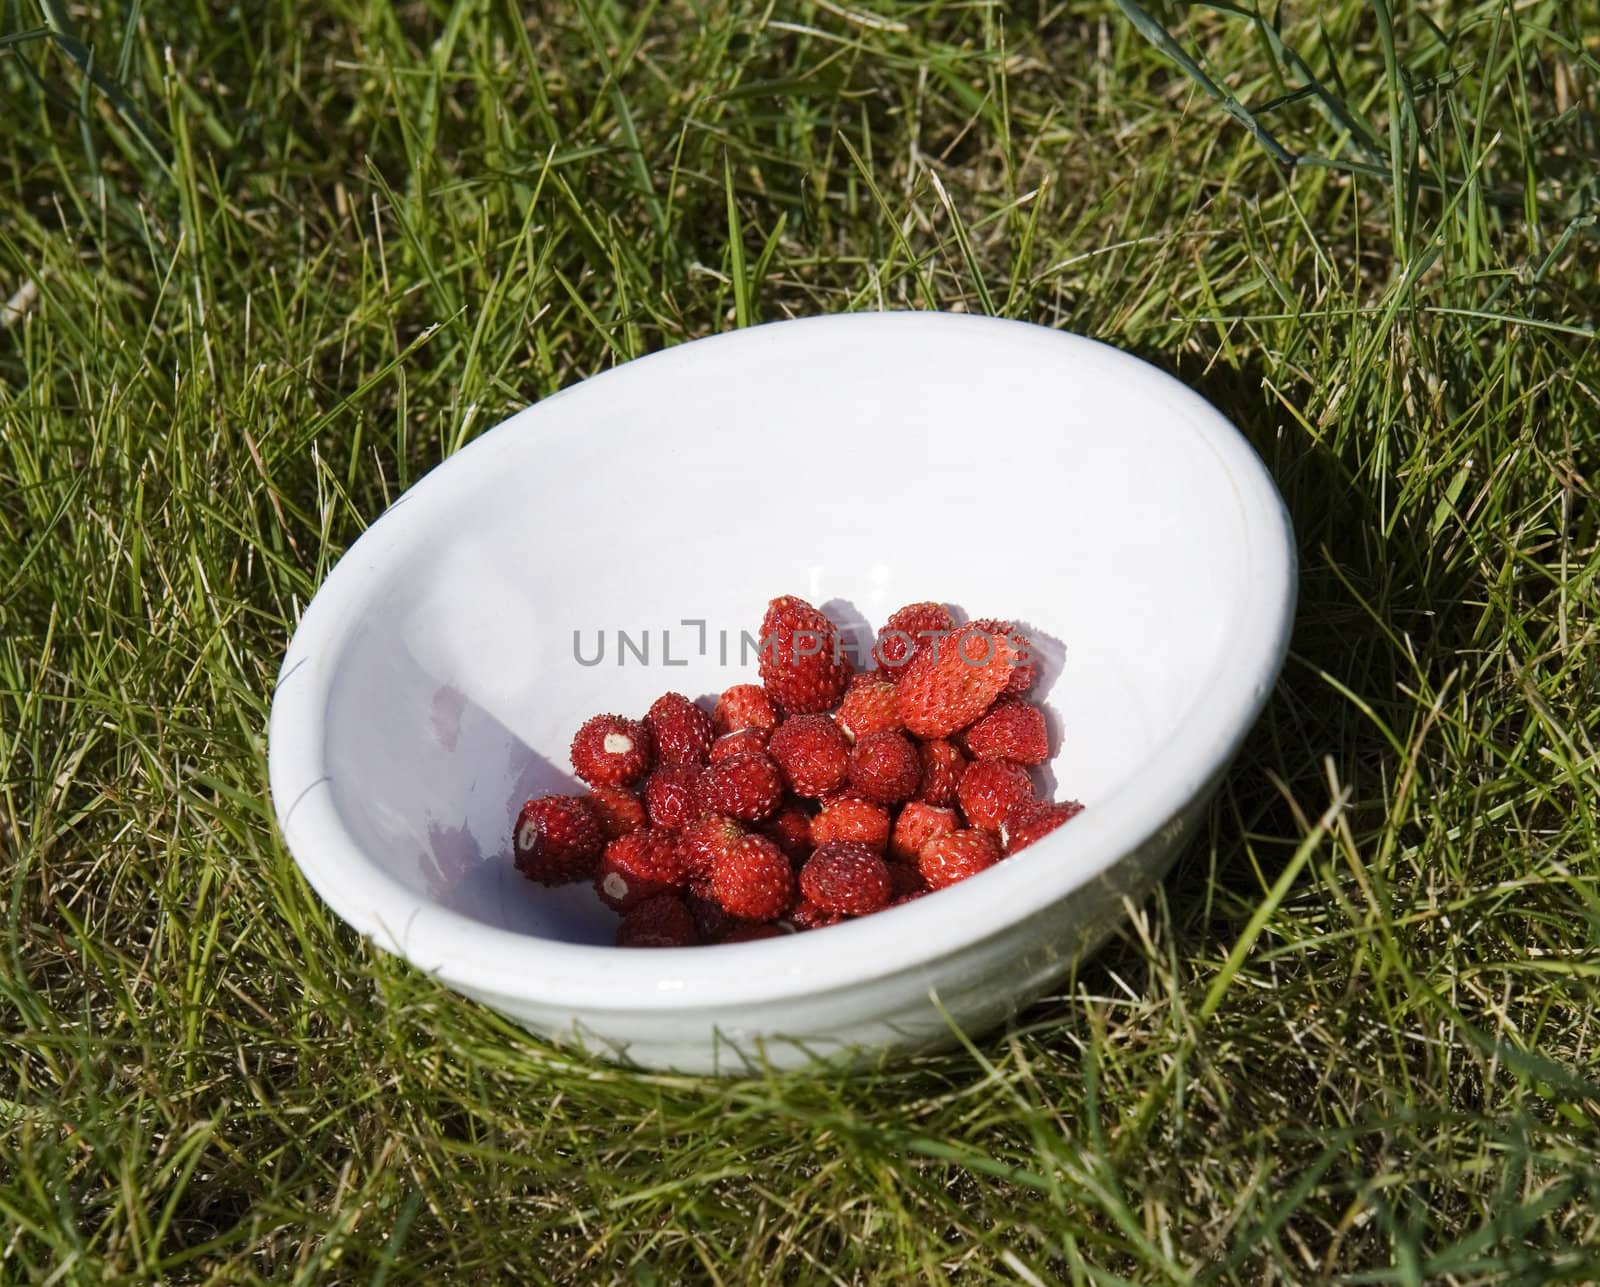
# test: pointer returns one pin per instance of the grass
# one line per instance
(267, 265)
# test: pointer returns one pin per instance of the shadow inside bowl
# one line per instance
(433, 742)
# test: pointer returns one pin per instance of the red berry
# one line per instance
(905, 883)
(662, 921)
(703, 841)
(812, 753)
(869, 708)
(637, 866)
(710, 920)
(670, 794)
(790, 830)
(743, 742)
(917, 824)
(618, 809)
(747, 933)
(1011, 729)
(1022, 664)
(682, 731)
(943, 765)
(885, 768)
(557, 839)
(752, 879)
(989, 788)
(747, 786)
(1030, 820)
(949, 686)
(611, 751)
(806, 915)
(907, 632)
(744, 706)
(947, 859)
(848, 818)
(802, 663)
(845, 877)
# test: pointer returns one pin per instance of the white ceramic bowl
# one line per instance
(862, 462)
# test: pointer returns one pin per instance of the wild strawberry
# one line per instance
(989, 788)
(752, 879)
(947, 859)
(844, 791)
(850, 819)
(662, 921)
(1011, 729)
(703, 841)
(747, 786)
(905, 883)
(917, 824)
(710, 920)
(612, 751)
(670, 794)
(1022, 663)
(869, 708)
(748, 933)
(942, 767)
(682, 731)
(743, 742)
(1030, 820)
(885, 768)
(618, 810)
(802, 663)
(744, 706)
(949, 686)
(911, 630)
(806, 915)
(812, 753)
(637, 866)
(790, 830)
(557, 838)
(845, 877)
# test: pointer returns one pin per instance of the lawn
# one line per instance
(268, 265)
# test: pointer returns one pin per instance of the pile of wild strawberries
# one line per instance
(817, 795)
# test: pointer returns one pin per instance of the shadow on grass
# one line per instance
(1366, 586)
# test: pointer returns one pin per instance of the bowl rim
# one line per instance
(479, 958)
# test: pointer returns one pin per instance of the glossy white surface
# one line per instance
(863, 462)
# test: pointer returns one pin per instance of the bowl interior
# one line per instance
(645, 517)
